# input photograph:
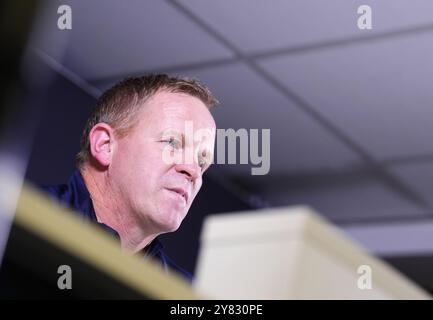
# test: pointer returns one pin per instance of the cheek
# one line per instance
(124, 155)
(132, 167)
(150, 172)
(139, 158)
(196, 188)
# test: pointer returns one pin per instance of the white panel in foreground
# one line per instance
(290, 253)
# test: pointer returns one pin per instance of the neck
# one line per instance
(111, 211)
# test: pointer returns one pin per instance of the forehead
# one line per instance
(170, 106)
(167, 110)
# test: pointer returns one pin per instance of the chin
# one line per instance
(167, 228)
(172, 221)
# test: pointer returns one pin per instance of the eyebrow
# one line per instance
(169, 132)
(181, 135)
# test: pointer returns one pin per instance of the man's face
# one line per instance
(156, 191)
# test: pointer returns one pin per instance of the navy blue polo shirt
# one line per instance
(75, 195)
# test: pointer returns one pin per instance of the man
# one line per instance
(134, 177)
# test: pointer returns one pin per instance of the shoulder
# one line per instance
(174, 267)
(58, 192)
(156, 251)
(73, 194)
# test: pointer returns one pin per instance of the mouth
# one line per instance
(182, 192)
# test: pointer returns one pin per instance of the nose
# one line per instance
(191, 171)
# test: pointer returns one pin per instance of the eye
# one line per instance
(203, 160)
(173, 142)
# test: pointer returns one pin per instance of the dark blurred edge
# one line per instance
(29, 271)
(16, 20)
(417, 267)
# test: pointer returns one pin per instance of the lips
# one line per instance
(181, 192)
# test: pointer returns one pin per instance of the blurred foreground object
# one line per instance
(48, 236)
(291, 253)
(16, 113)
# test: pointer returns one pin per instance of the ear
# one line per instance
(101, 139)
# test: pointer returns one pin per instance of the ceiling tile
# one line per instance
(256, 25)
(377, 93)
(395, 238)
(349, 203)
(418, 176)
(110, 37)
